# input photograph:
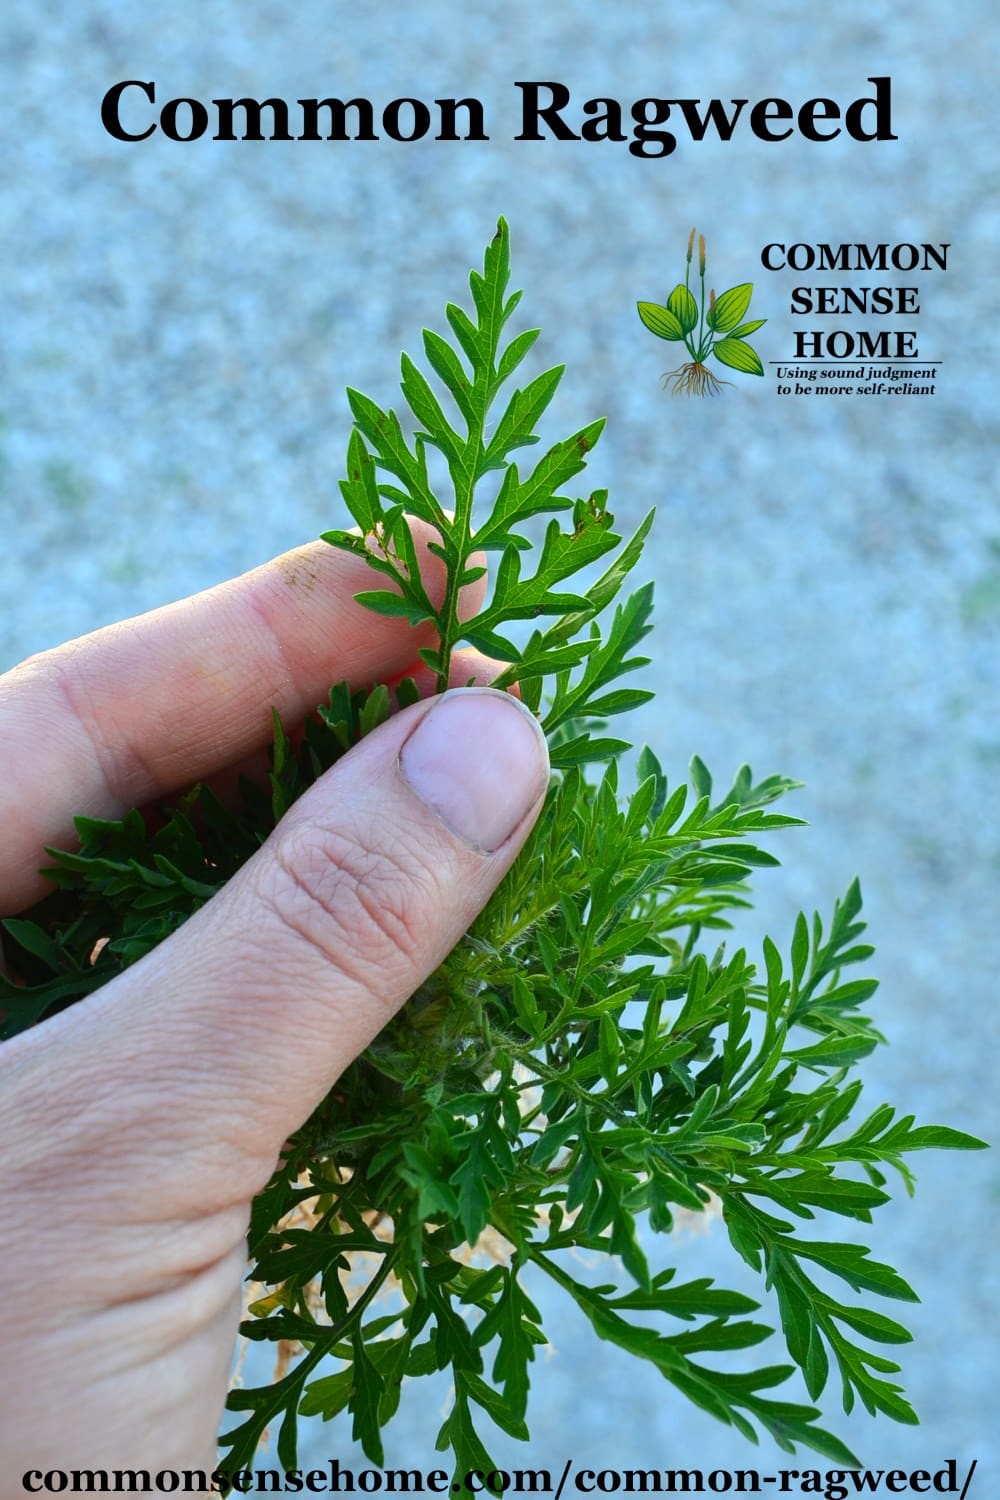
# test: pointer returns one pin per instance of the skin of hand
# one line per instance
(137, 1125)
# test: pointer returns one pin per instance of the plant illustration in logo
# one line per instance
(717, 331)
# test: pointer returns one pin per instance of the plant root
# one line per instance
(693, 380)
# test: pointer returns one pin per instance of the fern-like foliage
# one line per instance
(587, 1059)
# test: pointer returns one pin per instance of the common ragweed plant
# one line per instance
(716, 329)
(590, 1061)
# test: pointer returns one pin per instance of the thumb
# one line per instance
(210, 1051)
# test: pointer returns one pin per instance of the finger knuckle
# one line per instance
(363, 911)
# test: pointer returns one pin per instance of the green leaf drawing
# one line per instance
(683, 306)
(660, 320)
(738, 356)
(746, 328)
(730, 307)
(706, 326)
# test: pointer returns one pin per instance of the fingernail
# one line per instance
(479, 759)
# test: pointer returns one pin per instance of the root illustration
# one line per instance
(693, 380)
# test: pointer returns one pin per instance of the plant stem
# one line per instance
(461, 537)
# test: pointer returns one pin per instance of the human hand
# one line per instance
(137, 1125)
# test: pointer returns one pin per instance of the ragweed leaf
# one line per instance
(459, 1434)
(514, 1322)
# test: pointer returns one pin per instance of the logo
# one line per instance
(716, 331)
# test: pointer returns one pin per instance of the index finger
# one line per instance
(140, 708)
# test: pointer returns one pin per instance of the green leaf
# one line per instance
(701, 778)
(515, 352)
(458, 1433)
(610, 1048)
(851, 1263)
(445, 363)
(360, 488)
(265, 1404)
(34, 939)
(747, 328)
(489, 642)
(484, 1159)
(683, 306)
(515, 428)
(873, 1325)
(584, 750)
(407, 692)
(375, 710)
(800, 950)
(495, 1407)
(624, 1242)
(738, 356)
(518, 499)
(730, 307)
(366, 1392)
(660, 320)
(423, 1173)
(328, 1396)
(609, 661)
(384, 603)
(514, 1321)
(940, 1138)
(427, 409)
(391, 451)
(468, 335)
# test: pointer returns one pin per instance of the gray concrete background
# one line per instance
(178, 326)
